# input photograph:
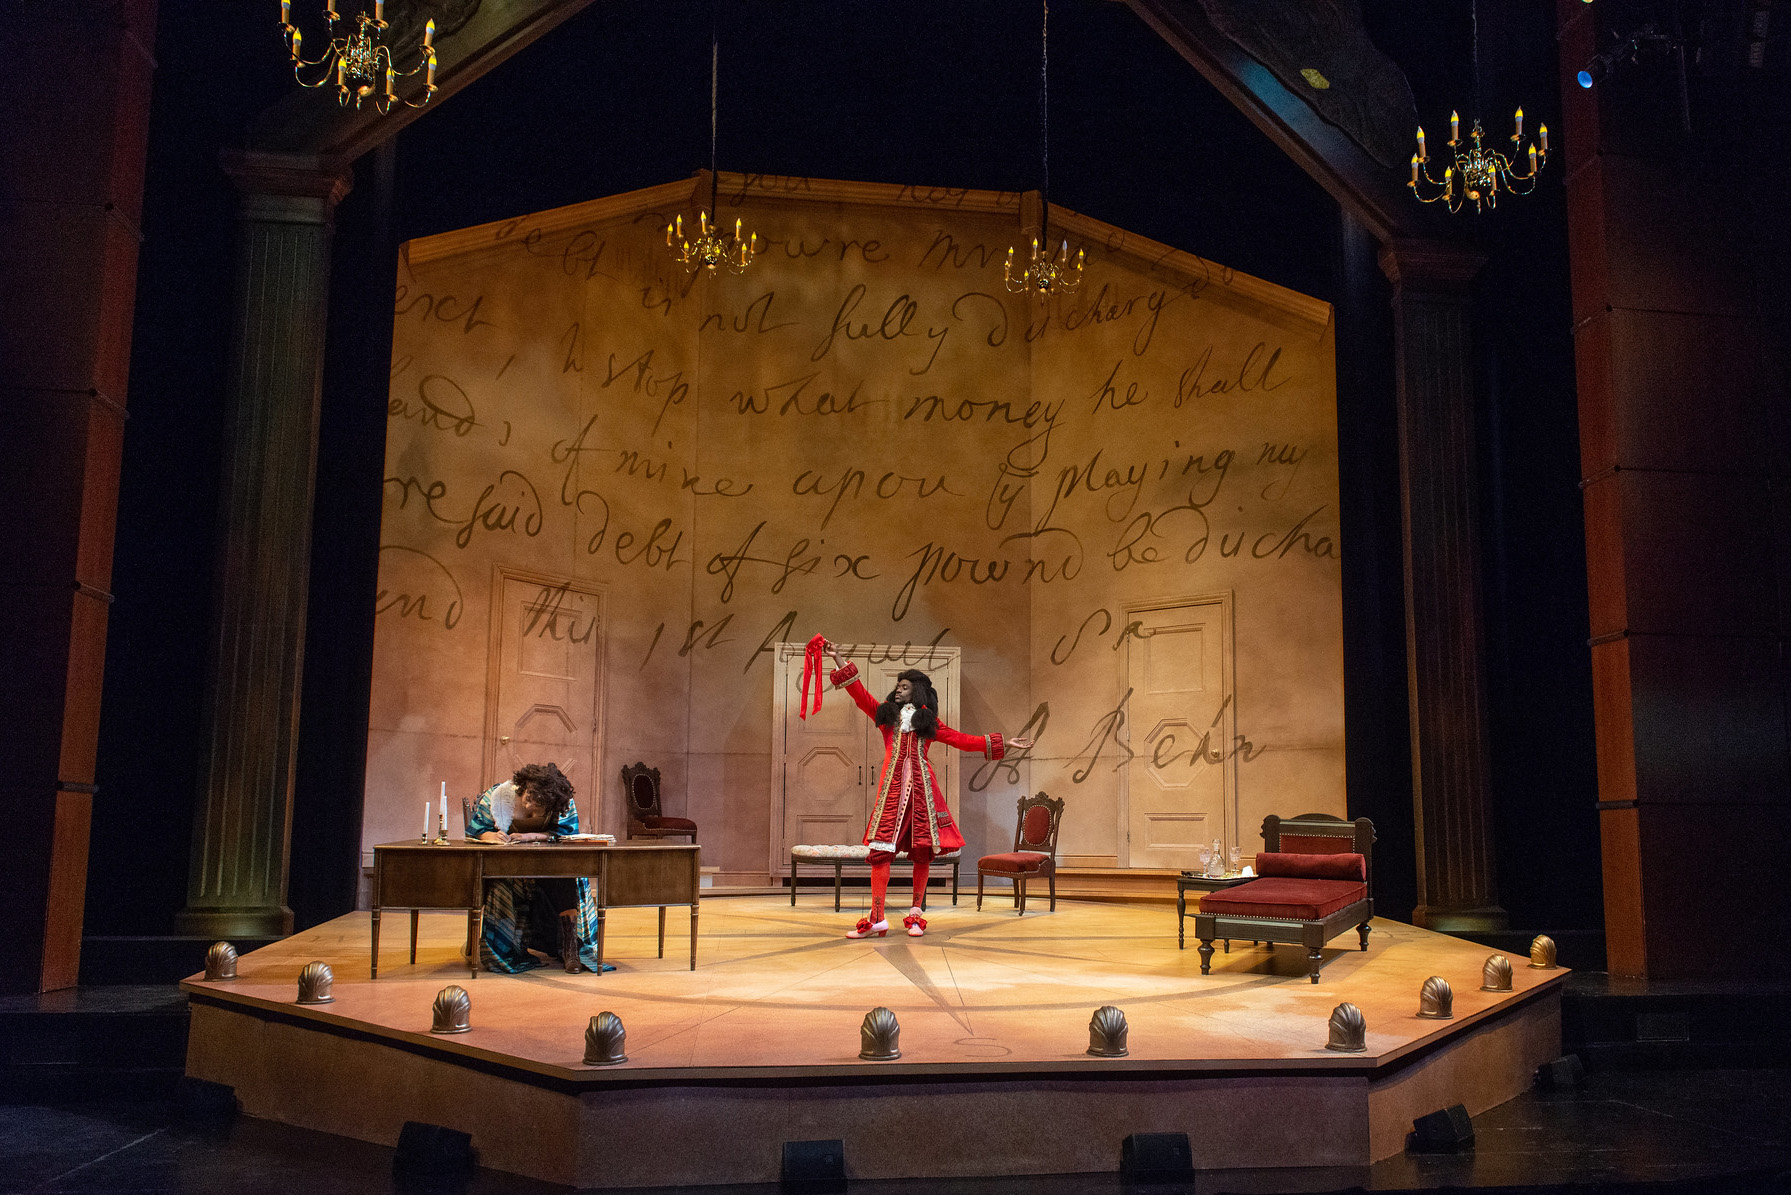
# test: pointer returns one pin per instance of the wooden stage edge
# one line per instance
(759, 1044)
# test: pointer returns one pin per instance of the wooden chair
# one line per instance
(1034, 853)
(1312, 884)
(640, 788)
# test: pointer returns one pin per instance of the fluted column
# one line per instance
(1445, 652)
(243, 820)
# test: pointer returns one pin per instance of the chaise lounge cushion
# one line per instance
(1014, 862)
(1285, 898)
(669, 823)
(1343, 865)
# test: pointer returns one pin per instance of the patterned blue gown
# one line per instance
(504, 944)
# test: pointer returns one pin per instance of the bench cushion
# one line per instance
(851, 852)
(1343, 865)
(1285, 897)
(669, 823)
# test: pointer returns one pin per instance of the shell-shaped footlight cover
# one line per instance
(1349, 1032)
(1496, 975)
(1436, 999)
(220, 962)
(605, 1040)
(880, 1036)
(1107, 1032)
(453, 1010)
(1542, 953)
(314, 983)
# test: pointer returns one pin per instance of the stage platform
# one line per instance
(759, 1044)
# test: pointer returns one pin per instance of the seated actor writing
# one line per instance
(557, 916)
(910, 813)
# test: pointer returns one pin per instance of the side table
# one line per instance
(1199, 883)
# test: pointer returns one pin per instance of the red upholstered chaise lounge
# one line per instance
(1312, 885)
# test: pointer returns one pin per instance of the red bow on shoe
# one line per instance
(811, 668)
(914, 919)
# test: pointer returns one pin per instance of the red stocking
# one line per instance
(923, 859)
(880, 861)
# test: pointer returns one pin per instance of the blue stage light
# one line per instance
(1585, 78)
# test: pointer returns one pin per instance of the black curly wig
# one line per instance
(926, 705)
(549, 785)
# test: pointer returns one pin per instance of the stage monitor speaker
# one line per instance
(432, 1149)
(200, 1101)
(1444, 1131)
(1156, 1158)
(814, 1168)
(1562, 1074)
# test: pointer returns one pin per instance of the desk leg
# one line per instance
(792, 881)
(475, 921)
(693, 929)
(373, 969)
(661, 931)
(414, 914)
(1181, 920)
(601, 912)
(836, 887)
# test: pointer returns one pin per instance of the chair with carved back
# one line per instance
(1034, 853)
(1312, 883)
(640, 791)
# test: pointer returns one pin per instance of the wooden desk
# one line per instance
(416, 875)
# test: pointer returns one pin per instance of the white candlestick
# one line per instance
(425, 819)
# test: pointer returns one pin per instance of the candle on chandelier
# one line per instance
(298, 36)
(1454, 128)
(429, 34)
(329, 9)
(1520, 120)
(392, 94)
(1544, 131)
(1421, 154)
(753, 245)
(736, 228)
(1080, 254)
(429, 79)
(379, 11)
(285, 12)
(341, 71)
(1414, 170)
(1532, 159)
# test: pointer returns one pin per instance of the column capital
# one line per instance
(1422, 264)
(257, 174)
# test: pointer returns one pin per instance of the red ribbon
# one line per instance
(811, 670)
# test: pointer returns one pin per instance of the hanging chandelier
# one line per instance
(358, 62)
(711, 250)
(1476, 173)
(1045, 273)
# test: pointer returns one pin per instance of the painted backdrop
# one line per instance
(612, 491)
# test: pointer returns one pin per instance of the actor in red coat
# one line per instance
(910, 813)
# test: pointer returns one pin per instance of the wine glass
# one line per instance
(1206, 858)
(1236, 853)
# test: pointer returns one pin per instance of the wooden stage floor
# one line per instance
(994, 1010)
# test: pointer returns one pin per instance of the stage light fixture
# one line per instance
(1045, 273)
(1645, 42)
(712, 251)
(358, 62)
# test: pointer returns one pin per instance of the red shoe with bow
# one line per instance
(868, 929)
(917, 925)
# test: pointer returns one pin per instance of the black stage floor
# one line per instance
(1712, 1130)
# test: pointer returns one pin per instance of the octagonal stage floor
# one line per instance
(759, 1044)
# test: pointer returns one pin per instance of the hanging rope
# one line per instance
(1045, 127)
(714, 89)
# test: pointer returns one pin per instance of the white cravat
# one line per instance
(907, 719)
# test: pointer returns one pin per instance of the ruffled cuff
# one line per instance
(994, 746)
(842, 677)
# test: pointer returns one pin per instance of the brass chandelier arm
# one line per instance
(359, 63)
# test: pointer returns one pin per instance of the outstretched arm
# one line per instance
(989, 746)
(845, 675)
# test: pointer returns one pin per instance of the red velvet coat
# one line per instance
(891, 811)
